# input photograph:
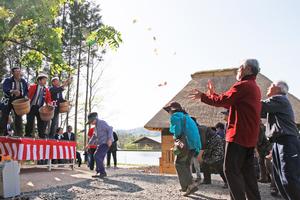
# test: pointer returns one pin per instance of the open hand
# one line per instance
(269, 156)
(195, 94)
(210, 88)
(200, 156)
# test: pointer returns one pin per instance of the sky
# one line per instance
(190, 36)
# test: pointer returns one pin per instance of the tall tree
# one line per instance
(59, 37)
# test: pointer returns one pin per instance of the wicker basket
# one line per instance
(64, 107)
(46, 113)
(21, 106)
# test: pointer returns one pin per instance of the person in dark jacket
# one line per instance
(113, 151)
(213, 155)
(69, 135)
(57, 98)
(282, 130)
(59, 134)
(14, 87)
(243, 101)
(220, 127)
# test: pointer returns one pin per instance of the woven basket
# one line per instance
(21, 106)
(46, 113)
(64, 107)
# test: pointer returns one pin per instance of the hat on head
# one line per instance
(54, 78)
(41, 75)
(92, 116)
(172, 106)
(226, 112)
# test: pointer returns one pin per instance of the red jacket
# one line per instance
(243, 100)
(32, 89)
(90, 134)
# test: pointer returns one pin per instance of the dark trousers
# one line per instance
(18, 123)
(286, 163)
(215, 167)
(100, 154)
(269, 167)
(182, 165)
(264, 175)
(240, 173)
(41, 125)
(78, 158)
(54, 123)
(91, 159)
(114, 154)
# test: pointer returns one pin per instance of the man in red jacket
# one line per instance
(91, 150)
(243, 101)
(38, 95)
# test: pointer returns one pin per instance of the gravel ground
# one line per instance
(134, 184)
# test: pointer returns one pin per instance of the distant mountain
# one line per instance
(138, 132)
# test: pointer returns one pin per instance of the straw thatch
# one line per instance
(207, 115)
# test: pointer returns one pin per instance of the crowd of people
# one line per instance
(257, 131)
(103, 141)
(16, 87)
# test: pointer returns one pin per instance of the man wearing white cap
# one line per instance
(38, 94)
(57, 97)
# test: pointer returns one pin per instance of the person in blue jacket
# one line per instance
(14, 87)
(183, 127)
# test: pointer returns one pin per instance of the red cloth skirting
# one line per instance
(36, 149)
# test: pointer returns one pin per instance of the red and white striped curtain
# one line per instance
(37, 149)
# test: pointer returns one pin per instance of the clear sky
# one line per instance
(191, 35)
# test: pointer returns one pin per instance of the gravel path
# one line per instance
(135, 184)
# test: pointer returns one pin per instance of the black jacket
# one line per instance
(66, 136)
(56, 94)
(56, 136)
(214, 146)
(114, 146)
(280, 117)
(10, 84)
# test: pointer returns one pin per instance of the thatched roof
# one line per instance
(209, 115)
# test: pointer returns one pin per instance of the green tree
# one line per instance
(60, 37)
(27, 28)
